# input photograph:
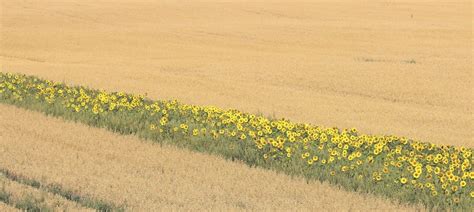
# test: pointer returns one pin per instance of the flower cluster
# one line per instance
(439, 175)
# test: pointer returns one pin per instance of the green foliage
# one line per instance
(5, 196)
(30, 203)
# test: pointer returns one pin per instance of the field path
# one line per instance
(385, 67)
(145, 176)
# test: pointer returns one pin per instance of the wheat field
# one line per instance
(385, 67)
(340, 63)
(123, 169)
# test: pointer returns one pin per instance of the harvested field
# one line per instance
(398, 67)
(107, 166)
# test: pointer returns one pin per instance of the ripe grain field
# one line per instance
(394, 67)
(398, 67)
(145, 176)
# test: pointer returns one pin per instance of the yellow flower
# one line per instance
(403, 180)
(163, 121)
(305, 155)
(416, 175)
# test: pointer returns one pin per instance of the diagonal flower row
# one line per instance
(409, 170)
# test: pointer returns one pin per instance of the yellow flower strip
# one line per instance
(439, 177)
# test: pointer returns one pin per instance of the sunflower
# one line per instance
(403, 180)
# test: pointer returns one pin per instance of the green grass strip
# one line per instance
(405, 170)
(5, 197)
(31, 204)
